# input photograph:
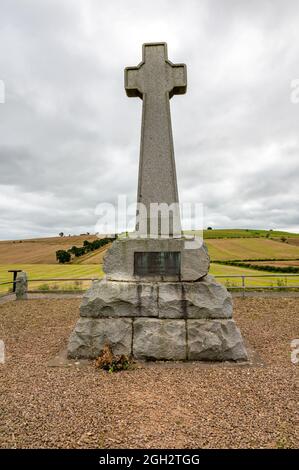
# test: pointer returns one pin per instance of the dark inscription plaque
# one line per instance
(157, 263)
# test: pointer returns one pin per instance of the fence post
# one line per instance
(22, 286)
(15, 274)
(243, 286)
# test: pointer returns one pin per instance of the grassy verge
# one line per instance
(224, 270)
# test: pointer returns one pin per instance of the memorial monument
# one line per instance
(157, 301)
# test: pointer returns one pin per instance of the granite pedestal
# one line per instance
(157, 318)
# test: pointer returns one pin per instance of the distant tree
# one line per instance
(209, 228)
(78, 251)
(63, 256)
(61, 234)
(89, 246)
(283, 239)
(74, 250)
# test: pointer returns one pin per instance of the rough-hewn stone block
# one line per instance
(119, 299)
(215, 340)
(203, 299)
(90, 335)
(155, 339)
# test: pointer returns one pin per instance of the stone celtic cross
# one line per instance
(156, 301)
(155, 80)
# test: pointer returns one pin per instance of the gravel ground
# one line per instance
(150, 407)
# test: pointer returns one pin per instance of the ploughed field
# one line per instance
(250, 248)
(154, 406)
(278, 264)
(223, 245)
(227, 245)
(39, 250)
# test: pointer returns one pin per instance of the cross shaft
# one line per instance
(155, 80)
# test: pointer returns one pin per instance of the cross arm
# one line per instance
(179, 79)
(132, 75)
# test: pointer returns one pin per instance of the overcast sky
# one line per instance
(69, 135)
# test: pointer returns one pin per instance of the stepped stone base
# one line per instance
(158, 321)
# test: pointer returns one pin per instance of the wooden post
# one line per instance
(243, 286)
(15, 273)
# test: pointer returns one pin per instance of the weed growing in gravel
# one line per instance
(282, 443)
(282, 283)
(111, 363)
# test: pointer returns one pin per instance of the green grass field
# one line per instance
(247, 233)
(223, 270)
(44, 271)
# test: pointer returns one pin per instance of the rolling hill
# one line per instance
(37, 258)
(227, 245)
(38, 250)
(247, 233)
